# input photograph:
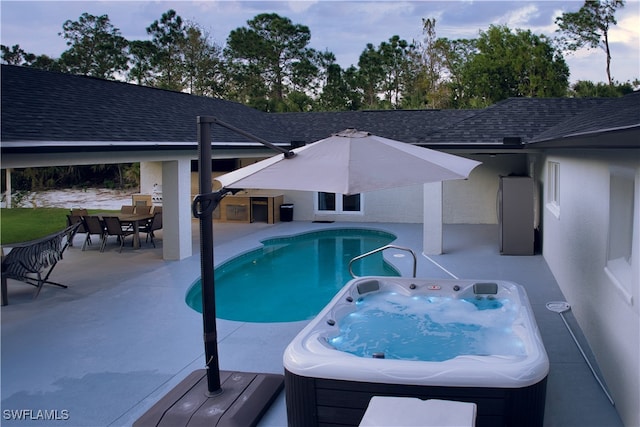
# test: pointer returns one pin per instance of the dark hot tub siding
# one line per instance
(325, 402)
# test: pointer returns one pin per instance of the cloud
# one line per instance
(301, 6)
(342, 27)
(519, 18)
(627, 30)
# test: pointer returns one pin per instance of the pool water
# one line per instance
(428, 328)
(292, 278)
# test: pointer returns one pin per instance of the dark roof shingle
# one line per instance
(49, 107)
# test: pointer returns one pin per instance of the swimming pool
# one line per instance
(292, 278)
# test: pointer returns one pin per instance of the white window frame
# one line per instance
(553, 188)
(623, 218)
(339, 207)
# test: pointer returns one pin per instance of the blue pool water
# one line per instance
(292, 278)
(428, 328)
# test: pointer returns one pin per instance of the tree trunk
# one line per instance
(606, 47)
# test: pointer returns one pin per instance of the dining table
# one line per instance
(134, 219)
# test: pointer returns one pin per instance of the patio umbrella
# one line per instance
(350, 162)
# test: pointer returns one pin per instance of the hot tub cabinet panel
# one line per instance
(328, 387)
(327, 402)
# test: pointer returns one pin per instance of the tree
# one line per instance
(44, 62)
(15, 55)
(455, 54)
(141, 54)
(588, 89)
(507, 64)
(396, 57)
(426, 83)
(168, 37)
(370, 76)
(96, 47)
(267, 58)
(589, 27)
(335, 92)
(202, 63)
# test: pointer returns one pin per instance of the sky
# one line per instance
(341, 27)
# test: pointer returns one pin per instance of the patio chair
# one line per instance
(126, 209)
(93, 225)
(75, 219)
(143, 209)
(79, 212)
(114, 227)
(152, 225)
(32, 262)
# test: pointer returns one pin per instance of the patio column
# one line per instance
(432, 223)
(176, 209)
(8, 190)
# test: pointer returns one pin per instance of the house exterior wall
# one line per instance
(395, 205)
(576, 246)
(150, 178)
(473, 201)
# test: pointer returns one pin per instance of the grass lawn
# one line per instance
(24, 224)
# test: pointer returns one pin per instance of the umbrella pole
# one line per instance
(232, 398)
(206, 251)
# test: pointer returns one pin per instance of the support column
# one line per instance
(432, 223)
(8, 190)
(176, 209)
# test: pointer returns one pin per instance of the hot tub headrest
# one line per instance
(485, 288)
(368, 286)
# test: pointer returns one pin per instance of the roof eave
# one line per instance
(25, 147)
(621, 137)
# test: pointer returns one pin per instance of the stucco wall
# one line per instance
(397, 205)
(575, 247)
(473, 201)
(150, 175)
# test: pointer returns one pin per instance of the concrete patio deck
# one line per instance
(103, 351)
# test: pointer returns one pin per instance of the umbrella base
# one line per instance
(244, 399)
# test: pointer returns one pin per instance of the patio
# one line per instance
(103, 351)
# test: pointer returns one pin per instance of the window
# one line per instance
(339, 203)
(553, 188)
(621, 224)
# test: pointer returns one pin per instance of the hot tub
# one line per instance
(327, 386)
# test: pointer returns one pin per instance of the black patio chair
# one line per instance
(114, 227)
(94, 226)
(75, 219)
(152, 225)
(32, 262)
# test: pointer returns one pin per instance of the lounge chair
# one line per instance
(113, 227)
(32, 262)
(152, 225)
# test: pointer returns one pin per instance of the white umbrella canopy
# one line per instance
(350, 162)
